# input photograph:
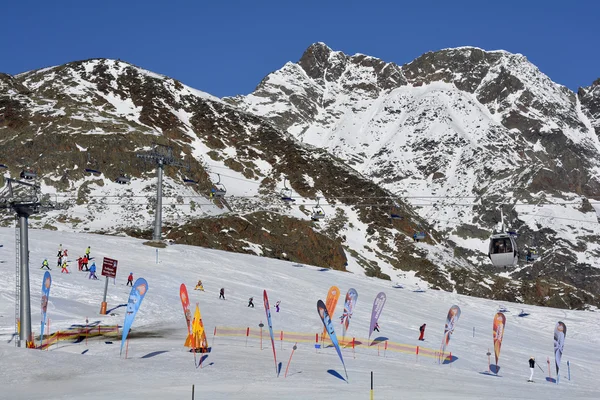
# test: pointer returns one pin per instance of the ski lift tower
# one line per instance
(24, 199)
(162, 155)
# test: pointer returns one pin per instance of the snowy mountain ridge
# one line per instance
(450, 138)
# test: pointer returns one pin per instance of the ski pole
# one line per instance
(538, 365)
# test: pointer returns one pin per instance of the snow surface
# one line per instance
(159, 367)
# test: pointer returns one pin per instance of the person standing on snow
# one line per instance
(84, 263)
(376, 328)
(130, 279)
(531, 368)
(277, 305)
(422, 330)
(250, 302)
(87, 252)
(93, 271)
(64, 268)
(45, 264)
(222, 293)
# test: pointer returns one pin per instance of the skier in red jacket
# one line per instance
(130, 279)
(422, 330)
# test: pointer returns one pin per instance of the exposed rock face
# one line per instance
(446, 141)
(590, 102)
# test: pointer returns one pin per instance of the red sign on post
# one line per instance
(109, 267)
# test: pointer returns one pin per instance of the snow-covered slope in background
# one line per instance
(159, 367)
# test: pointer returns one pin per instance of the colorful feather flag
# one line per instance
(326, 319)
(349, 303)
(331, 302)
(46, 283)
(137, 294)
(451, 320)
(268, 312)
(560, 333)
(378, 304)
(498, 333)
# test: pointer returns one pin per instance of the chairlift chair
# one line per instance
(317, 212)
(123, 179)
(92, 171)
(286, 193)
(394, 213)
(219, 189)
(28, 173)
(419, 235)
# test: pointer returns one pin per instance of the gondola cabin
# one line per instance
(28, 174)
(503, 250)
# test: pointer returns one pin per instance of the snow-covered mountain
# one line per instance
(460, 133)
(447, 141)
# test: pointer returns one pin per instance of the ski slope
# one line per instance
(159, 367)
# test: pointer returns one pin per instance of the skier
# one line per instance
(80, 263)
(84, 262)
(87, 252)
(222, 293)
(277, 305)
(376, 328)
(59, 262)
(531, 368)
(45, 264)
(250, 302)
(199, 285)
(130, 279)
(64, 268)
(415, 237)
(93, 271)
(60, 249)
(422, 330)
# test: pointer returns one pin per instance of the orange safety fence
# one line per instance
(79, 333)
(345, 342)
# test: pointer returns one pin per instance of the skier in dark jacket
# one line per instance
(531, 368)
(422, 330)
(376, 328)
(250, 302)
(222, 293)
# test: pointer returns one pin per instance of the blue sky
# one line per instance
(227, 47)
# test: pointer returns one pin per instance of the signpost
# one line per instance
(109, 270)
